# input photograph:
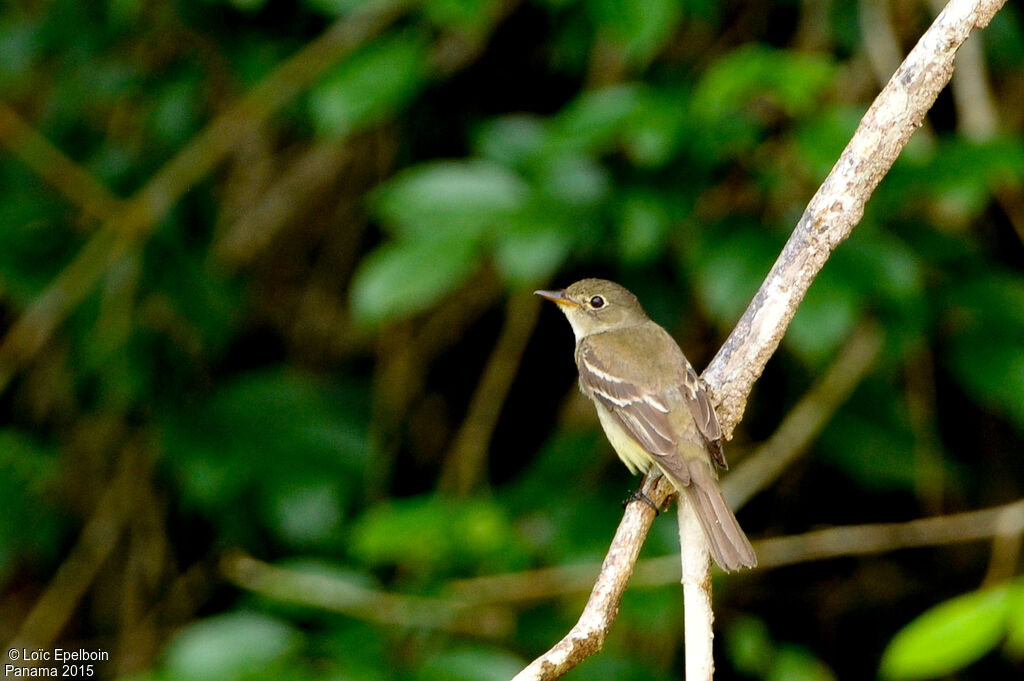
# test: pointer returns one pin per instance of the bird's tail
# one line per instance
(729, 545)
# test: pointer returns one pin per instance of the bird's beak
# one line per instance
(558, 297)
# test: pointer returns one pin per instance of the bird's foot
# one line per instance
(640, 496)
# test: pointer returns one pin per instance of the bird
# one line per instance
(653, 407)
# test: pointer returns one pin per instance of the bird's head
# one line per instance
(597, 305)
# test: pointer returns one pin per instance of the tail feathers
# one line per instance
(729, 545)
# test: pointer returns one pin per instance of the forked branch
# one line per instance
(827, 221)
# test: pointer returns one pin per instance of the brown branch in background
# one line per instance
(252, 232)
(465, 598)
(348, 598)
(1001, 524)
(404, 353)
(807, 418)
(865, 540)
(97, 540)
(69, 178)
(839, 203)
(1006, 545)
(878, 36)
(921, 416)
(465, 465)
(125, 228)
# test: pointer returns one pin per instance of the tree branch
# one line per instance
(326, 592)
(465, 464)
(839, 203)
(698, 615)
(827, 221)
(999, 523)
(590, 631)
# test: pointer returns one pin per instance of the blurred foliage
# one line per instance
(953, 634)
(281, 359)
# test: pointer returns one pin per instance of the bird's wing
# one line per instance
(644, 415)
(697, 399)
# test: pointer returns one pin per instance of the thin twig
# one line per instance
(465, 463)
(347, 597)
(467, 598)
(807, 418)
(1003, 523)
(69, 178)
(97, 540)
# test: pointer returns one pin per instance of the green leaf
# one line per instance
(28, 524)
(970, 171)
(638, 27)
(470, 663)
(229, 646)
(986, 351)
(594, 122)
(531, 254)
(372, 84)
(821, 139)
(643, 228)
(572, 180)
(879, 455)
(431, 533)
(795, 663)
(510, 140)
(405, 277)
(732, 269)
(750, 646)
(658, 127)
(824, 320)
(450, 199)
(948, 637)
(741, 94)
(471, 16)
(272, 445)
(992, 371)
(1015, 620)
(306, 512)
(992, 302)
(734, 83)
(35, 241)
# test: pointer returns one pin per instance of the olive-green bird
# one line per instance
(652, 405)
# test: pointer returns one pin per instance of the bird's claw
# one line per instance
(640, 496)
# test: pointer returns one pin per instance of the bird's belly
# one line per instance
(635, 457)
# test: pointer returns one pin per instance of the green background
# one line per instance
(272, 373)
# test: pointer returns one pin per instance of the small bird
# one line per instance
(652, 406)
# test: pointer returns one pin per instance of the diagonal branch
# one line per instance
(827, 221)
(839, 203)
(69, 178)
(590, 631)
(123, 229)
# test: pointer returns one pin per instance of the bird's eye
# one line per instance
(597, 302)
